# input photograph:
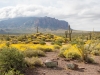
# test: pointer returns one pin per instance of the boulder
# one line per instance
(51, 63)
(72, 66)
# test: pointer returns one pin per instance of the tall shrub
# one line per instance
(11, 58)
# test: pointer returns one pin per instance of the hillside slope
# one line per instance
(30, 23)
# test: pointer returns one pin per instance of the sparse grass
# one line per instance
(33, 62)
(42, 43)
(36, 53)
(56, 47)
(45, 49)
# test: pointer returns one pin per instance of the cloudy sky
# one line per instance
(80, 14)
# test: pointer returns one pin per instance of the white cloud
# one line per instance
(81, 14)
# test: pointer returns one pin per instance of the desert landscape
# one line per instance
(46, 54)
(49, 37)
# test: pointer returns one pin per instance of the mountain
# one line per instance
(29, 24)
(2, 31)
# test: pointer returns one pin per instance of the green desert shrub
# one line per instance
(27, 41)
(7, 44)
(58, 43)
(48, 40)
(49, 36)
(12, 72)
(22, 38)
(96, 52)
(52, 43)
(45, 49)
(42, 42)
(56, 47)
(86, 52)
(89, 60)
(36, 42)
(11, 58)
(38, 34)
(43, 38)
(33, 62)
(7, 38)
(14, 41)
(35, 53)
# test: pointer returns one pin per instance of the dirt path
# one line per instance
(84, 69)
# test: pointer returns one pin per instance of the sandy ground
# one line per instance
(84, 69)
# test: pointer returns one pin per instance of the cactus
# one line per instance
(66, 34)
(82, 36)
(69, 32)
(37, 29)
(90, 35)
(93, 34)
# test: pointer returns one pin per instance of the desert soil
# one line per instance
(84, 69)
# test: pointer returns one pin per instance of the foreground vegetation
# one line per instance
(23, 51)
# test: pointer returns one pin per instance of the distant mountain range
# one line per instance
(29, 24)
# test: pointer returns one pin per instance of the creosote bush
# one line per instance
(42, 42)
(11, 58)
(85, 50)
(58, 43)
(56, 47)
(35, 42)
(96, 52)
(45, 49)
(30, 53)
(89, 60)
(12, 72)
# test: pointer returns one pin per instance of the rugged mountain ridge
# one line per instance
(30, 23)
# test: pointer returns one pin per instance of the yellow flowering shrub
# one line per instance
(88, 41)
(23, 47)
(73, 48)
(63, 49)
(72, 51)
(2, 45)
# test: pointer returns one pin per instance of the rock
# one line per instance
(43, 73)
(55, 59)
(81, 67)
(66, 59)
(72, 66)
(98, 71)
(58, 58)
(68, 73)
(51, 63)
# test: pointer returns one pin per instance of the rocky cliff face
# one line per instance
(28, 23)
(51, 23)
